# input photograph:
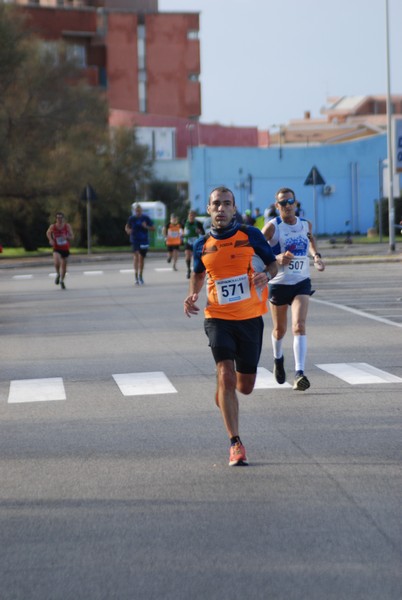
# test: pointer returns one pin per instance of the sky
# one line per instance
(266, 62)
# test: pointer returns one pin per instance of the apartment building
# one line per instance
(345, 118)
(148, 64)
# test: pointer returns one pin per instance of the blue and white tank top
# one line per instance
(295, 239)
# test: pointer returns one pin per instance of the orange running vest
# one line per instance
(231, 295)
(173, 237)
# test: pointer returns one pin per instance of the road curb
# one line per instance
(344, 255)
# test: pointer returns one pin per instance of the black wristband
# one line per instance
(317, 254)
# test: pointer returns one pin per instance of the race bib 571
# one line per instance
(233, 289)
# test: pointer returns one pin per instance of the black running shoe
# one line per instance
(301, 383)
(63, 286)
(279, 370)
(57, 280)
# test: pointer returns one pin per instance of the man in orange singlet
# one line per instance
(173, 236)
(239, 264)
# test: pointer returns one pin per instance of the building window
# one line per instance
(102, 77)
(161, 141)
(50, 52)
(141, 60)
(101, 22)
(192, 34)
(142, 96)
(77, 53)
(141, 53)
(193, 76)
(53, 52)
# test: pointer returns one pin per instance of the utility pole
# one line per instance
(391, 207)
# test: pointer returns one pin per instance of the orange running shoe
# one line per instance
(237, 457)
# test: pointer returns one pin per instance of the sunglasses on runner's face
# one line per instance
(285, 202)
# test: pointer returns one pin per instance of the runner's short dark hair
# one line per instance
(284, 190)
(221, 188)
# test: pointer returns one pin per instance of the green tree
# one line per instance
(54, 139)
(175, 199)
(123, 177)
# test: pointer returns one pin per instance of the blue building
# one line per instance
(352, 172)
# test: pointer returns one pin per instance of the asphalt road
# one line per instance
(113, 492)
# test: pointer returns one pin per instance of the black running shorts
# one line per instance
(280, 294)
(240, 341)
(63, 253)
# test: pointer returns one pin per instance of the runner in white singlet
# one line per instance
(292, 241)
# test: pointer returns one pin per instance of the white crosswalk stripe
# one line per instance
(359, 373)
(92, 273)
(36, 390)
(139, 384)
(265, 380)
(156, 382)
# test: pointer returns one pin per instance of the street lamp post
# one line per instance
(380, 195)
(391, 207)
(89, 232)
(240, 185)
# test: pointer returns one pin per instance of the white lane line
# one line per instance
(36, 390)
(140, 384)
(354, 311)
(124, 271)
(266, 380)
(161, 269)
(22, 277)
(359, 373)
(93, 273)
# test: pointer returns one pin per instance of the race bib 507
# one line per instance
(297, 266)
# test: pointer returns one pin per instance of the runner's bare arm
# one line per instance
(318, 262)
(196, 283)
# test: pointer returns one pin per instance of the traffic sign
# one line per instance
(314, 177)
(88, 193)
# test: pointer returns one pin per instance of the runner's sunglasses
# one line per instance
(285, 202)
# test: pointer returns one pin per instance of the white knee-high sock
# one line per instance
(300, 351)
(276, 347)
